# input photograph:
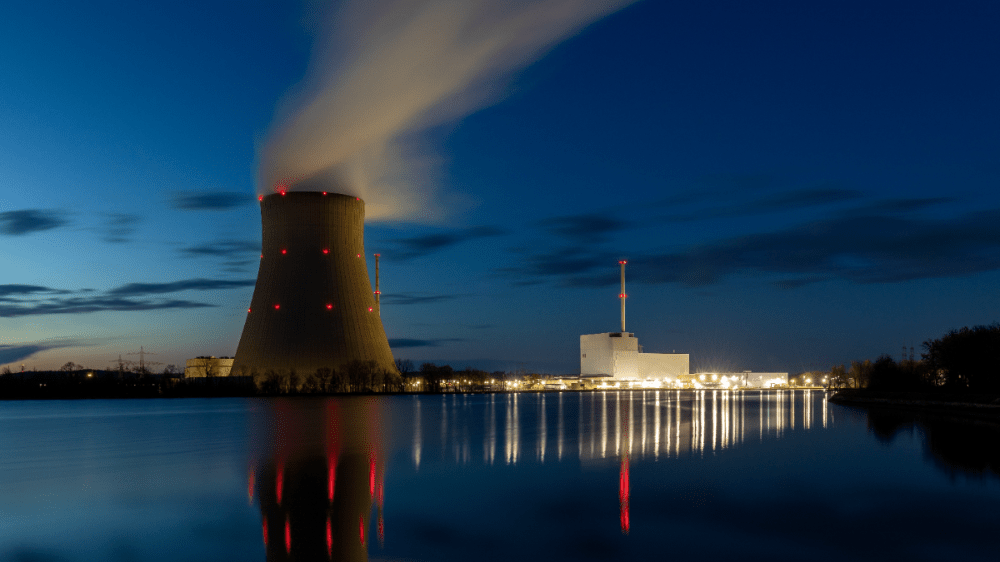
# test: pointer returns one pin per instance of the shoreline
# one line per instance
(972, 405)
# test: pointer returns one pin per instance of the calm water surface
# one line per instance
(556, 476)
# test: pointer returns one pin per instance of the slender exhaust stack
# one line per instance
(378, 293)
(622, 296)
(312, 306)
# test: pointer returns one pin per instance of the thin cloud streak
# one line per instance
(37, 300)
(399, 343)
(406, 299)
(418, 246)
(79, 305)
(210, 201)
(139, 289)
(16, 289)
(27, 221)
(13, 353)
(119, 228)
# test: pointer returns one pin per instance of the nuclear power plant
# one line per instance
(617, 356)
(313, 305)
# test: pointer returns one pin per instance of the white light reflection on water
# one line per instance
(681, 422)
(417, 436)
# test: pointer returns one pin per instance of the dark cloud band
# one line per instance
(19, 223)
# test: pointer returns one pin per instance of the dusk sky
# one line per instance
(794, 184)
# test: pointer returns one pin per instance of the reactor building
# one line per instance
(313, 305)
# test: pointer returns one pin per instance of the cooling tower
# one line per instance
(313, 305)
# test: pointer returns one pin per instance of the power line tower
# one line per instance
(142, 353)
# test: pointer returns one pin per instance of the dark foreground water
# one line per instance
(636, 475)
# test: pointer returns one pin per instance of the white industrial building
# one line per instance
(616, 355)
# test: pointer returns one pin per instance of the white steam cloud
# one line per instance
(383, 72)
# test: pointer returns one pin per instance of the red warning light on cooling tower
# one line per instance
(281, 191)
(329, 306)
(369, 309)
(277, 306)
(359, 255)
(284, 251)
(326, 250)
(260, 197)
(324, 193)
(248, 310)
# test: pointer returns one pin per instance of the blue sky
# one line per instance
(794, 184)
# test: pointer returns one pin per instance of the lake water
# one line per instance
(640, 475)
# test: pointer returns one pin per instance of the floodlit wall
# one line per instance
(313, 306)
(663, 365)
(612, 353)
(208, 366)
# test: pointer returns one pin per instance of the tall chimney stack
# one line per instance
(622, 296)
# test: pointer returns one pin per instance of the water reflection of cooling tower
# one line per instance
(313, 305)
(318, 486)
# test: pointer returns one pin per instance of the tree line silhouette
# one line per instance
(963, 360)
(130, 380)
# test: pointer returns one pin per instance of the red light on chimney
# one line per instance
(324, 193)
(284, 251)
(329, 307)
(260, 197)
(282, 192)
(326, 250)
(622, 296)
(277, 306)
(378, 292)
(357, 199)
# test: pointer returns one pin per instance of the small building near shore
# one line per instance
(208, 366)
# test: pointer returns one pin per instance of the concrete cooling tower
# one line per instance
(313, 305)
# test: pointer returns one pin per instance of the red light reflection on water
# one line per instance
(279, 481)
(623, 494)
(329, 537)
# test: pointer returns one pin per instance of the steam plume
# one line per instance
(384, 72)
